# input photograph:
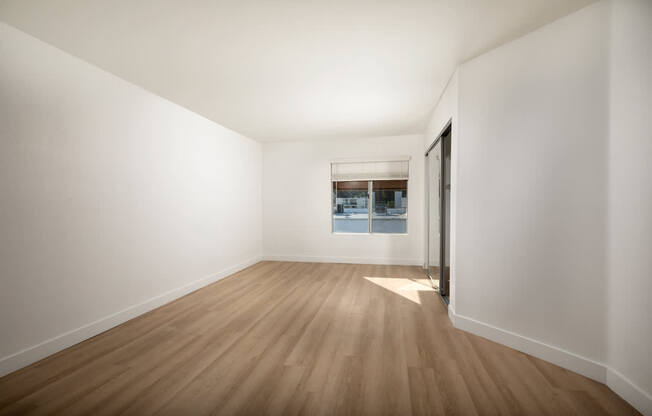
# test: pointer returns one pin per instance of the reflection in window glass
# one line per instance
(351, 207)
(389, 206)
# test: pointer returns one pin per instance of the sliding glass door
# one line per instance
(445, 269)
(438, 174)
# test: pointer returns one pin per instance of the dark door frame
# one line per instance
(443, 136)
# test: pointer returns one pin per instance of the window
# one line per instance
(369, 197)
(389, 213)
(351, 207)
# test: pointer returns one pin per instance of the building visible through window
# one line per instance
(389, 213)
(376, 188)
(351, 207)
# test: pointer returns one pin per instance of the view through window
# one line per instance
(354, 200)
(389, 213)
(351, 207)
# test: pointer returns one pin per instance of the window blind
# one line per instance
(373, 170)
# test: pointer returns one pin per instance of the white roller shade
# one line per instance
(371, 170)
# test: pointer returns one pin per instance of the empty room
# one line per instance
(361, 207)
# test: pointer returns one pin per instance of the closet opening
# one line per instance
(438, 208)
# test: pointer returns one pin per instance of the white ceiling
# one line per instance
(287, 70)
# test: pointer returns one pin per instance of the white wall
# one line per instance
(532, 185)
(630, 201)
(112, 200)
(530, 134)
(297, 202)
(554, 194)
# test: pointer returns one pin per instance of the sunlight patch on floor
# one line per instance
(408, 289)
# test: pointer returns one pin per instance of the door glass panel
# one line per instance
(446, 217)
(434, 177)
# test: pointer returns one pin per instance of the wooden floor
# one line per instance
(301, 338)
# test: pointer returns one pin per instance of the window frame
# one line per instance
(370, 205)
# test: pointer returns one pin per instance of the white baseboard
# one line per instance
(566, 359)
(350, 260)
(451, 314)
(48, 347)
(629, 391)
(600, 372)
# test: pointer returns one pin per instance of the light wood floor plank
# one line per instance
(284, 338)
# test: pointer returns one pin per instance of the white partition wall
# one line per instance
(551, 164)
(298, 207)
(630, 203)
(113, 200)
